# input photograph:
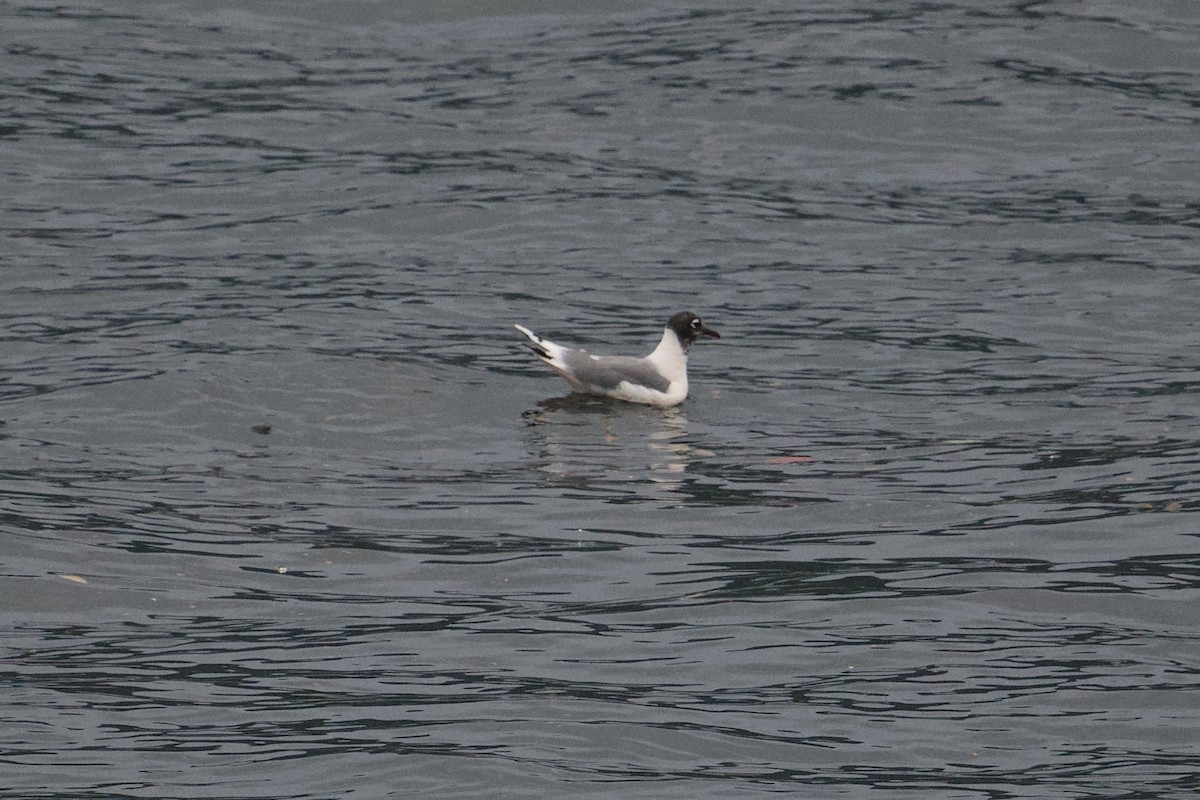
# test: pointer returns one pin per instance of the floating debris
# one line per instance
(790, 460)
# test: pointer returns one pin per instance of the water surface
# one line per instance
(284, 511)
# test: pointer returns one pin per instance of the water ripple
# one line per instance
(285, 507)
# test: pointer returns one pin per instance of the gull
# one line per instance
(659, 379)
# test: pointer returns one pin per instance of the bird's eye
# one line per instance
(695, 322)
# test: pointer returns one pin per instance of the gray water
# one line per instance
(285, 512)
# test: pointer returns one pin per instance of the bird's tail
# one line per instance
(535, 343)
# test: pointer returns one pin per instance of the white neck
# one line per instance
(669, 356)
